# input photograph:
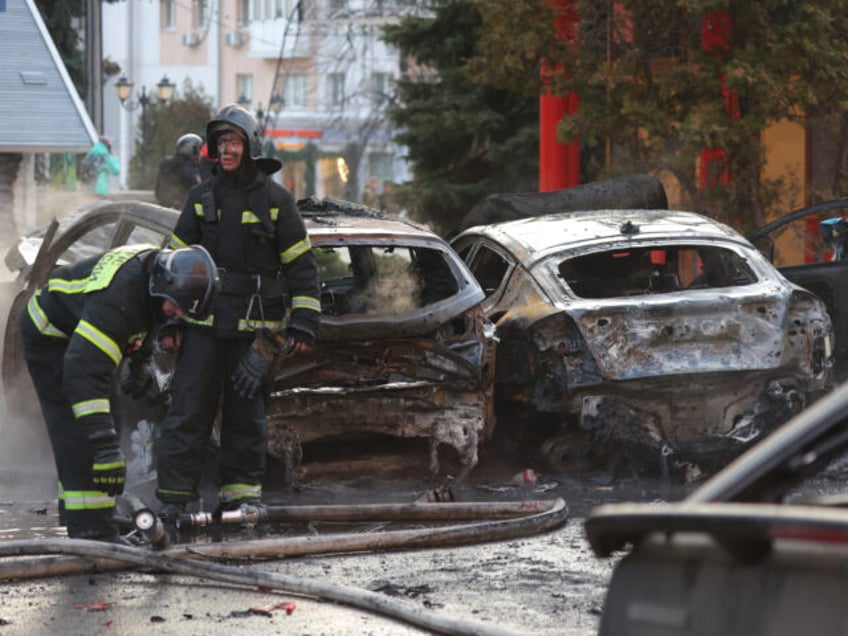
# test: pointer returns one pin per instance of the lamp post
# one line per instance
(165, 90)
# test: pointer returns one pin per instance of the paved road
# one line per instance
(545, 584)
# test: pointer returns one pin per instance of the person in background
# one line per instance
(207, 165)
(179, 172)
(254, 232)
(76, 331)
(103, 164)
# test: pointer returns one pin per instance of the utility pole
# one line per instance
(93, 97)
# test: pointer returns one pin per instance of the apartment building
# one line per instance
(315, 72)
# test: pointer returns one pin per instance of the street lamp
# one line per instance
(165, 91)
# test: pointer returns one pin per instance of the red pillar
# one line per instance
(559, 163)
(716, 30)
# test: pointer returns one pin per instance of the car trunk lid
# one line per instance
(695, 332)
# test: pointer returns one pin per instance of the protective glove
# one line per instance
(136, 378)
(108, 470)
(254, 367)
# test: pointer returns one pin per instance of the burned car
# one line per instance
(660, 337)
(760, 549)
(404, 349)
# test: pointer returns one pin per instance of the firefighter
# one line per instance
(252, 228)
(179, 172)
(76, 331)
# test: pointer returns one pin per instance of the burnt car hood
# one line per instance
(741, 329)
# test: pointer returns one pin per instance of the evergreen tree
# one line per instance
(465, 139)
(60, 18)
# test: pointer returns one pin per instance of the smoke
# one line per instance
(393, 296)
(27, 467)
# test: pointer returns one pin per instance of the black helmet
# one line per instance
(189, 145)
(188, 277)
(234, 118)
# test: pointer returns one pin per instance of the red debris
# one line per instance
(99, 606)
(266, 610)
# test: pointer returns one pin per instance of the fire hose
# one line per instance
(89, 556)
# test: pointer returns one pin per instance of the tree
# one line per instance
(165, 124)
(666, 79)
(465, 139)
(61, 17)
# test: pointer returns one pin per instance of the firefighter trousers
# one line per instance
(86, 511)
(202, 384)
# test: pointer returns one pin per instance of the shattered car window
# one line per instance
(627, 272)
(384, 280)
(489, 268)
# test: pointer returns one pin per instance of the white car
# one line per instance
(656, 338)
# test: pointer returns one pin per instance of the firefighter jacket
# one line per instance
(102, 307)
(256, 236)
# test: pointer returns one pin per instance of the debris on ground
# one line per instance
(288, 606)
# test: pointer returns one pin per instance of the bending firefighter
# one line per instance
(76, 331)
(251, 227)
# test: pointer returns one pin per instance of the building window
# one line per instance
(381, 166)
(201, 14)
(244, 89)
(243, 13)
(294, 91)
(270, 9)
(380, 87)
(169, 15)
(336, 88)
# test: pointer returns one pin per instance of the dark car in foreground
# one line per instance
(658, 337)
(404, 349)
(760, 549)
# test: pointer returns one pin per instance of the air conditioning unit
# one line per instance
(234, 38)
(191, 38)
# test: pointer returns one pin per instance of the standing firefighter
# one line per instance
(179, 172)
(75, 332)
(251, 226)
